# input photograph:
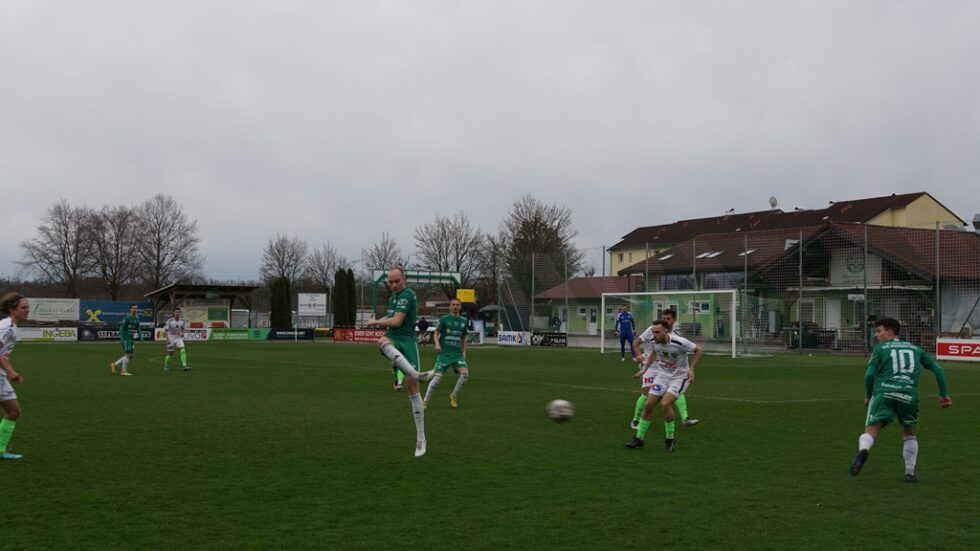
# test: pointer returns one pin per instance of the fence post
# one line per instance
(939, 296)
(799, 303)
(530, 321)
(646, 266)
(567, 317)
(865, 335)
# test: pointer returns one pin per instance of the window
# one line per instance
(667, 256)
(747, 253)
(676, 281)
(723, 280)
(806, 311)
(581, 310)
(620, 257)
(631, 257)
(703, 255)
(715, 254)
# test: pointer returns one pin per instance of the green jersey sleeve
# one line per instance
(932, 365)
(869, 375)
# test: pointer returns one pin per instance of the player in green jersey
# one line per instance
(129, 325)
(399, 346)
(891, 388)
(450, 343)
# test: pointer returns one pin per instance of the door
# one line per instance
(593, 317)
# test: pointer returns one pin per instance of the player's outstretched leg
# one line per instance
(864, 446)
(183, 360)
(464, 375)
(910, 451)
(638, 411)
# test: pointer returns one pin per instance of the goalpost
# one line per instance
(709, 318)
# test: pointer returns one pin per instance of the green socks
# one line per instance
(166, 362)
(638, 410)
(641, 432)
(183, 363)
(681, 408)
(6, 431)
(669, 429)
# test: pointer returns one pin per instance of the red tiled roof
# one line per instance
(859, 210)
(912, 248)
(588, 287)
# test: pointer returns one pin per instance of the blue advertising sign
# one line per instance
(111, 312)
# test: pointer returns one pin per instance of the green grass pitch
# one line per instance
(306, 446)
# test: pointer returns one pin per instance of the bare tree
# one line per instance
(169, 243)
(385, 254)
(116, 247)
(62, 253)
(547, 232)
(323, 264)
(284, 257)
(491, 260)
(450, 245)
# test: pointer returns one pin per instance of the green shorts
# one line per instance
(442, 365)
(409, 349)
(883, 408)
(128, 346)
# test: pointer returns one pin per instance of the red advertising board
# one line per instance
(357, 335)
(958, 349)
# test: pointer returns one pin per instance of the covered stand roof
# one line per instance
(179, 292)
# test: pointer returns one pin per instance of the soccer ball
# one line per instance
(560, 410)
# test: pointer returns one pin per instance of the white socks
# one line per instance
(123, 363)
(389, 351)
(419, 415)
(865, 442)
(910, 450)
(459, 384)
(436, 379)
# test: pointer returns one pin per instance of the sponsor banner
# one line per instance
(549, 339)
(104, 333)
(229, 335)
(112, 312)
(53, 309)
(195, 334)
(47, 334)
(357, 335)
(966, 350)
(466, 295)
(259, 334)
(311, 304)
(290, 334)
(513, 338)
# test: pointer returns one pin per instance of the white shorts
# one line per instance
(6, 390)
(646, 381)
(669, 381)
(174, 344)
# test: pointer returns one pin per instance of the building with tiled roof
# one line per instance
(909, 210)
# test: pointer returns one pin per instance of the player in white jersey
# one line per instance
(646, 375)
(670, 316)
(175, 340)
(16, 308)
(673, 375)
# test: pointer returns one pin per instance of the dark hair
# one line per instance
(671, 311)
(134, 304)
(662, 323)
(891, 324)
(10, 301)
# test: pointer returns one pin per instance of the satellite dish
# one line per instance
(773, 202)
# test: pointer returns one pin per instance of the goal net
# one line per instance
(713, 319)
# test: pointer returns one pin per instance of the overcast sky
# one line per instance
(337, 121)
